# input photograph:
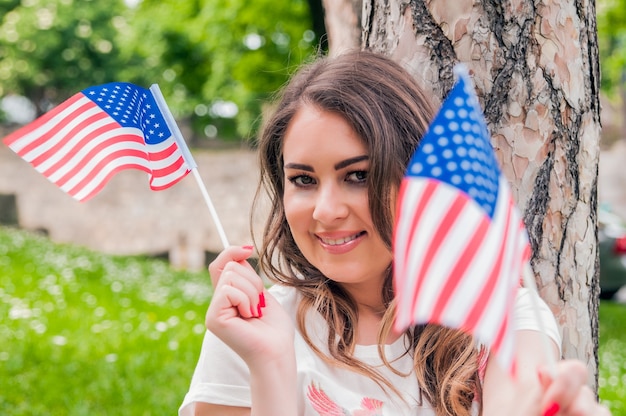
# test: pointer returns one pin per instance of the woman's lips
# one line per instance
(340, 243)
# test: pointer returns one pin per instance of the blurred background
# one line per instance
(105, 314)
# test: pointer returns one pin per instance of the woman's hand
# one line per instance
(542, 389)
(567, 392)
(242, 314)
(254, 325)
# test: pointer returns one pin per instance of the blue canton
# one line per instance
(457, 150)
(131, 106)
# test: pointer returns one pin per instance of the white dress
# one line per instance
(221, 377)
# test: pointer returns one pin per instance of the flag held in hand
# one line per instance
(80, 144)
(459, 242)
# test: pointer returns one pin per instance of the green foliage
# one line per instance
(213, 51)
(48, 51)
(89, 334)
(200, 52)
(611, 18)
(612, 353)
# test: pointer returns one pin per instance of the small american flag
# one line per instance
(459, 242)
(80, 144)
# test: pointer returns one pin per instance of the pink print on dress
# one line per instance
(326, 407)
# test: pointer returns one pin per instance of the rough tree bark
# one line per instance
(535, 66)
(343, 24)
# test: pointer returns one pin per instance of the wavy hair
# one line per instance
(390, 113)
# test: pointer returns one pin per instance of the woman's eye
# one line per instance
(359, 176)
(302, 180)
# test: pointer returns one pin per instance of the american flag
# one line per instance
(459, 242)
(80, 144)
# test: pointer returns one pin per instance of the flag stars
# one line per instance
(456, 150)
(131, 106)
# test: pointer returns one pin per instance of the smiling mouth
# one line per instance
(340, 241)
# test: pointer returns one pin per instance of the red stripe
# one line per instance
(396, 246)
(165, 153)
(16, 135)
(106, 179)
(418, 210)
(486, 293)
(460, 268)
(500, 335)
(44, 138)
(171, 168)
(425, 197)
(76, 148)
(451, 216)
(170, 183)
(100, 148)
(103, 163)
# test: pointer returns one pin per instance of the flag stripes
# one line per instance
(459, 242)
(80, 144)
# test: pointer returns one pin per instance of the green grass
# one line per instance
(83, 333)
(88, 334)
(612, 354)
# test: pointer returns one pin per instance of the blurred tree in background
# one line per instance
(611, 17)
(216, 61)
(49, 52)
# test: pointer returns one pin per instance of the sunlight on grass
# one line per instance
(612, 356)
(89, 334)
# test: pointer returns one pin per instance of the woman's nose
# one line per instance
(331, 204)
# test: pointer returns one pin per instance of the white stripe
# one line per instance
(164, 145)
(89, 167)
(164, 163)
(498, 305)
(446, 257)
(102, 174)
(509, 275)
(75, 142)
(79, 157)
(54, 140)
(408, 281)
(157, 182)
(25, 140)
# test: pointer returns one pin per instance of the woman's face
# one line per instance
(326, 199)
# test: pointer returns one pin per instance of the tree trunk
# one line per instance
(536, 70)
(343, 24)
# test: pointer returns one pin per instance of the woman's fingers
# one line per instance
(229, 303)
(244, 280)
(567, 392)
(237, 254)
(562, 385)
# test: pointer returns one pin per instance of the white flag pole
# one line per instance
(178, 136)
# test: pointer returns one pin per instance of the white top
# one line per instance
(221, 376)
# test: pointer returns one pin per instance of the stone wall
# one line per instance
(126, 217)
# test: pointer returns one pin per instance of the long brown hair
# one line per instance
(390, 113)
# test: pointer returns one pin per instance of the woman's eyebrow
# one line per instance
(338, 165)
(299, 166)
(352, 160)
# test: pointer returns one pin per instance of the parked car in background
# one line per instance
(612, 248)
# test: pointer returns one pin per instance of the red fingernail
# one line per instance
(552, 410)
(247, 247)
(260, 312)
(262, 300)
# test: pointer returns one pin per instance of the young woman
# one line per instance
(320, 341)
